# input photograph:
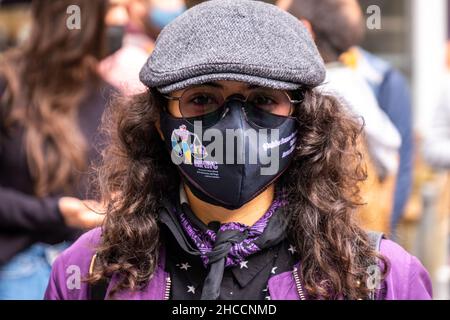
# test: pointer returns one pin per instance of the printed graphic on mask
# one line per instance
(291, 139)
(221, 148)
(187, 145)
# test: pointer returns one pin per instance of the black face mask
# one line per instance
(114, 38)
(237, 179)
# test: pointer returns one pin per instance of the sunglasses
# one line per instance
(208, 105)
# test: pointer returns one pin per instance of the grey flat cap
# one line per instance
(241, 40)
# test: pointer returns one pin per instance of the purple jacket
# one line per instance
(407, 278)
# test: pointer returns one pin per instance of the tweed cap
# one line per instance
(241, 40)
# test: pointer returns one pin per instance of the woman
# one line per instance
(51, 102)
(193, 214)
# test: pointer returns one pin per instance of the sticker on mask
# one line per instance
(187, 145)
(189, 149)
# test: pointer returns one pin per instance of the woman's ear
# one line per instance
(309, 27)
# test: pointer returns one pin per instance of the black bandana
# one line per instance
(225, 240)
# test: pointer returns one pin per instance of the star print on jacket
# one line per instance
(185, 266)
(292, 249)
(191, 289)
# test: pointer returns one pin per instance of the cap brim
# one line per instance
(263, 82)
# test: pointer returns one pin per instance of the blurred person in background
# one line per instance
(51, 102)
(337, 25)
(392, 92)
(136, 23)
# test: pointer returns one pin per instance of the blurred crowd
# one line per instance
(55, 84)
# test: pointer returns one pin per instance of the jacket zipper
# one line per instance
(167, 290)
(298, 284)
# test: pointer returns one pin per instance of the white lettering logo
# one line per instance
(74, 277)
(73, 21)
(374, 20)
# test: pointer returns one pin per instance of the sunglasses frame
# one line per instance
(292, 102)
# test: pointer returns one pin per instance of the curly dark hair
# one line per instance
(321, 186)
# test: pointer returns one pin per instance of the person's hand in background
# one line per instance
(81, 214)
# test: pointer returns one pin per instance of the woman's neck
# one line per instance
(248, 214)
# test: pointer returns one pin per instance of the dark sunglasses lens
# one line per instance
(268, 108)
(208, 119)
(262, 118)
